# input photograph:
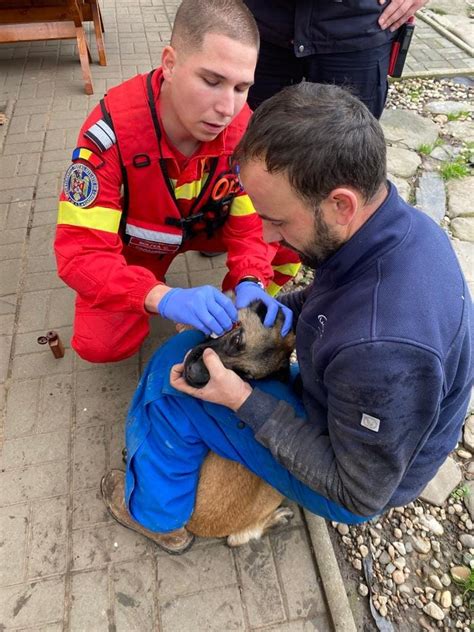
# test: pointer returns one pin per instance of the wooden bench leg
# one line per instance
(98, 27)
(84, 56)
(101, 20)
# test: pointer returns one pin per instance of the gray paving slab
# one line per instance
(64, 564)
(434, 51)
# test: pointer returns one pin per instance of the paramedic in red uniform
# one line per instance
(151, 178)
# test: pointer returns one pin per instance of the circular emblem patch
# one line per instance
(81, 185)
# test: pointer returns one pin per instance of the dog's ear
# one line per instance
(259, 308)
(280, 319)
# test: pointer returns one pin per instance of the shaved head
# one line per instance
(196, 18)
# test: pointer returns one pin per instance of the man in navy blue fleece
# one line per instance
(383, 336)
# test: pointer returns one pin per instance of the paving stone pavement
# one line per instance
(432, 54)
(64, 564)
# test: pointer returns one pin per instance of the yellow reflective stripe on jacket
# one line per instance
(97, 217)
(289, 269)
(242, 205)
(190, 190)
(273, 288)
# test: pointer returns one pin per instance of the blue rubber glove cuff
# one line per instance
(161, 307)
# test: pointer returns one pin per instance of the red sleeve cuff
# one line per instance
(137, 297)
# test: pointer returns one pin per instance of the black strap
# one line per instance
(126, 195)
(152, 105)
(156, 125)
(105, 114)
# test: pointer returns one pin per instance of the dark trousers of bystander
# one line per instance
(363, 72)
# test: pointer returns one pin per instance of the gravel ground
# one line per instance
(414, 94)
(412, 563)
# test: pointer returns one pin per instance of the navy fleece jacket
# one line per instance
(384, 342)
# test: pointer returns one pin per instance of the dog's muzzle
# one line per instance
(195, 371)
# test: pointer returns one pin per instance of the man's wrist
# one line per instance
(242, 397)
(252, 279)
(154, 296)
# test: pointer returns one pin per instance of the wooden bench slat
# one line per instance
(34, 32)
(34, 14)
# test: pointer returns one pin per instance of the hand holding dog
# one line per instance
(225, 387)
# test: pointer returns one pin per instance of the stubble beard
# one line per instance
(323, 244)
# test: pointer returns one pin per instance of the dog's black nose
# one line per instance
(196, 374)
(195, 371)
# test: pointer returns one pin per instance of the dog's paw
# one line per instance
(242, 537)
(281, 516)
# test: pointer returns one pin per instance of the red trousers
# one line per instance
(100, 335)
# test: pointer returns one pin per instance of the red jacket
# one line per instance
(113, 244)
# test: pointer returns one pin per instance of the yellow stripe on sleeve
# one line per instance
(96, 217)
(273, 288)
(289, 269)
(242, 205)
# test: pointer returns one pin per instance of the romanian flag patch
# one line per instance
(82, 153)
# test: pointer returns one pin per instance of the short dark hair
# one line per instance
(321, 136)
(195, 18)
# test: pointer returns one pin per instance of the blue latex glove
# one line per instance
(247, 291)
(204, 307)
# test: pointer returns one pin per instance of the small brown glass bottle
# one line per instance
(52, 338)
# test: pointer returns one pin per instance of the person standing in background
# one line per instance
(345, 42)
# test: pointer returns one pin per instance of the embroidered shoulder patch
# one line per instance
(369, 422)
(81, 185)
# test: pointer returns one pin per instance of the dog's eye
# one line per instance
(239, 339)
(235, 342)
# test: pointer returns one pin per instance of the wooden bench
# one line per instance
(30, 20)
